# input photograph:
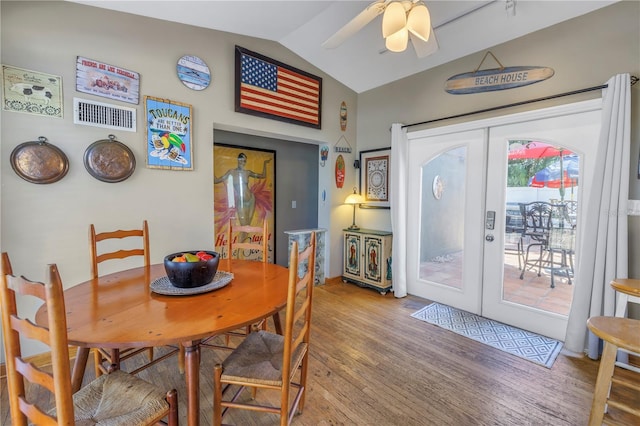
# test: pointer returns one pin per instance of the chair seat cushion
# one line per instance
(258, 359)
(119, 398)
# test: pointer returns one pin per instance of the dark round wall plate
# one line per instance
(109, 160)
(39, 161)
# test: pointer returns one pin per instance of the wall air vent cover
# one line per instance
(98, 114)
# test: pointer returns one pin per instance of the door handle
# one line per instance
(489, 237)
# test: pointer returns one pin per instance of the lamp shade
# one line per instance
(394, 19)
(419, 21)
(354, 199)
(397, 42)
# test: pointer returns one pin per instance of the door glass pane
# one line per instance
(442, 218)
(540, 225)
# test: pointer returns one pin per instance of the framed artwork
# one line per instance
(169, 134)
(267, 88)
(375, 167)
(244, 182)
(32, 92)
(108, 81)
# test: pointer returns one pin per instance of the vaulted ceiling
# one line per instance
(362, 62)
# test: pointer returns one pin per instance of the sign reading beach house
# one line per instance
(496, 79)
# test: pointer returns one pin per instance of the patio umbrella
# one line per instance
(549, 177)
(536, 150)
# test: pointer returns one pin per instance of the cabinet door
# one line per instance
(373, 259)
(352, 250)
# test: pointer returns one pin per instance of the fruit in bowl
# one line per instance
(190, 269)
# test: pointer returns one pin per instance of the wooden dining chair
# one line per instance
(272, 361)
(255, 240)
(617, 333)
(106, 358)
(115, 399)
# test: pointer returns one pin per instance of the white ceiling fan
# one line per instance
(402, 20)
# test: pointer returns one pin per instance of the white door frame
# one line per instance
(545, 113)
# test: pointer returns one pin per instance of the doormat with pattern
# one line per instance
(530, 346)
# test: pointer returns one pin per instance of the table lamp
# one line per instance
(354, 199)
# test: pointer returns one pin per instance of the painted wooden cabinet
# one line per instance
(367, 258)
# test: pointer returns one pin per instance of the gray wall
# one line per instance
(296, 172)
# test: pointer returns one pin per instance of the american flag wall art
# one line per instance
(271, 89)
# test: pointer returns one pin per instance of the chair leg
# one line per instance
(97, 361)
(115, 358)
(603, 382)
(217, 395)
(181, 358)
(303, 381)
(150, 354)
(172, 399)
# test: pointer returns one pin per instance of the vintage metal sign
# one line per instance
(496, 79)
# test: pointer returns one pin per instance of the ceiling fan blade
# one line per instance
(355, 25)
(424, 48)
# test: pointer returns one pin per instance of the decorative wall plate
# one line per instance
(39, 162)
(193, 72)
(109, 160)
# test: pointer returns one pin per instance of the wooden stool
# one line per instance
(627, 290)
(617, 333)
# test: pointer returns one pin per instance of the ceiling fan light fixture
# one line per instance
(419, 21)
(394, 19)
(397, 42)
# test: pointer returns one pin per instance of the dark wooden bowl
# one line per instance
(191, 274)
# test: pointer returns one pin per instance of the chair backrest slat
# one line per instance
(18, 370)
(235, 243)
(98, 256)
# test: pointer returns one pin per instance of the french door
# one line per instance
(463, 247)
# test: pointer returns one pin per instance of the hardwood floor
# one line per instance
(372, 364)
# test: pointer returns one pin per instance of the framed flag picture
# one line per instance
(270, 89)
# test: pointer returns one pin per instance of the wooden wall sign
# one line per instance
(343, 116)
(340, 171)
(496, 79)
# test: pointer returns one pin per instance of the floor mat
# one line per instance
(525, 344)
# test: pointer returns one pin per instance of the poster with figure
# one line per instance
(244, 183)
(169, 134)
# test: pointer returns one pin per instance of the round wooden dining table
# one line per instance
(120, 310)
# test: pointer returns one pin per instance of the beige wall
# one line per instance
(48, 223)
(44, 224)
(584, 52)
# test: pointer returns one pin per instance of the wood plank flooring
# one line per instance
(372, 364)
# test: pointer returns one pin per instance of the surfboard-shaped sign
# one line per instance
(490, 80)
(340, 171)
